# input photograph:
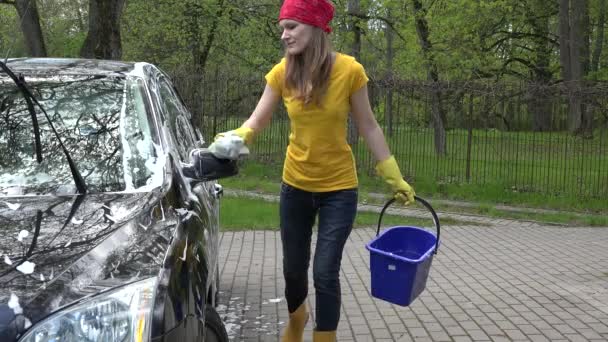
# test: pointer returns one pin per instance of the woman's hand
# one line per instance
(389, 171)
(243, 132)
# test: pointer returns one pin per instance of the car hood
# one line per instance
(55, 250)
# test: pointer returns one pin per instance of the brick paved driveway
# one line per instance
(510, 281)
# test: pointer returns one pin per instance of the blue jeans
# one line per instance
(336, 212)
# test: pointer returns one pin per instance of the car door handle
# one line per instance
(217, 191)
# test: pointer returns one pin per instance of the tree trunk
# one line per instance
(564, 39)
(586, 112)
(580, 119)
(579, 38)
(540, 107)
(201, 50)
(202, 61)
(599, 39)
(81, 19)
(541, 74)
(438, 122)
(438, 115)
(103, 39)
(30, 25)
(457, 98)
(354, 8)
(574, 59)
(390, 55)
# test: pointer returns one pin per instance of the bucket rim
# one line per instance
(427, 206)
(424, 256)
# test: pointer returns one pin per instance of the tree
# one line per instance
(537, 18)
(64, 25)
(354, 11)
(574, 58)
(103, 40)
(378, 21)
(30, 26)
(599, 40)
(201, 42)
(390, 56)
(437, 113)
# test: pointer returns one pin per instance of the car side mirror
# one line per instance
(204, 166)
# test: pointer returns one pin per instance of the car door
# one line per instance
(203, 235)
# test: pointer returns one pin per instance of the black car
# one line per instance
(108, 229)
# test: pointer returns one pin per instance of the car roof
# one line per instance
(70, 66)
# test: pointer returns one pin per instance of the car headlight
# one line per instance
(119, 315)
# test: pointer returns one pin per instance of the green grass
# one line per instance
(255, 214)
(265, 178)
(248, 214)
(488, 209)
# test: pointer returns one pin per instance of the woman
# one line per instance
(319, 88)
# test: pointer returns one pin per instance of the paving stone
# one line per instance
(537, 338)
(506, 281)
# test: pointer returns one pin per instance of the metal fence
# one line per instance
(512, 135)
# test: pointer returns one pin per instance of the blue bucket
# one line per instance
(400, 259)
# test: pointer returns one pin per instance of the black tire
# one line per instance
(215, 331)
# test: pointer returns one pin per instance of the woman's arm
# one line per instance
(258, 119)
(262, 113)
(367, 125)
(386, 166)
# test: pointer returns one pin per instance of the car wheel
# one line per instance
(215, 331)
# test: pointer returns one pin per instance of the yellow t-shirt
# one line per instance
(318, 157)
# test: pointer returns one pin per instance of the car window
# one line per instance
(103, 123)
(179, 119)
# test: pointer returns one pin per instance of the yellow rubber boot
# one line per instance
(324, 336)
(296, 324)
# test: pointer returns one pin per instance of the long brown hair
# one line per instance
(307, 74)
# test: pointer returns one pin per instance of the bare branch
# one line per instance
(390, 23)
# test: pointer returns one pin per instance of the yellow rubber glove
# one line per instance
(389, 170)
(245, 133)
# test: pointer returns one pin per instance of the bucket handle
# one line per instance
(424, 203)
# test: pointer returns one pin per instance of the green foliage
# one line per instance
(11, 40)
(470, 39)
(64, 24)
(169, 33)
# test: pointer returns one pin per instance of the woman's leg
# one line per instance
(297, 215)
(337, 211)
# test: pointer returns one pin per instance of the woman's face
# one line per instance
(296, 35)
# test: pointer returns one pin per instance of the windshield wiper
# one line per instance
(30, 99)
(32, 111)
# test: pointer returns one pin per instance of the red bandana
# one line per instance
(312, 12)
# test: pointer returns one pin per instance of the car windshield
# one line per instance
(104, 123)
